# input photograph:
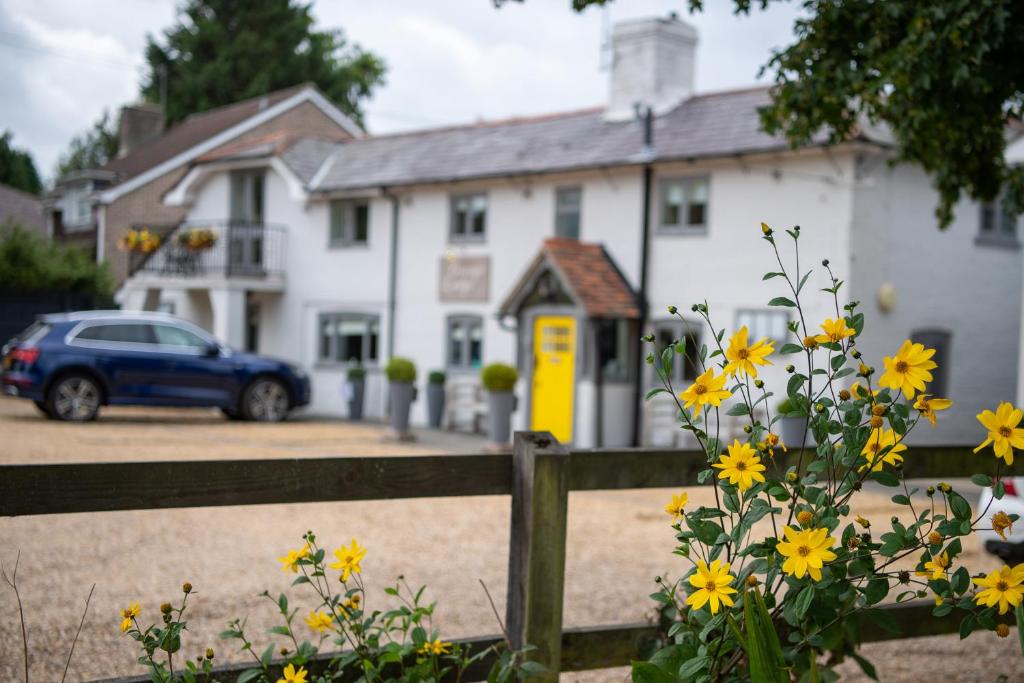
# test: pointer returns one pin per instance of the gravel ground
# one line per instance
(618, 541)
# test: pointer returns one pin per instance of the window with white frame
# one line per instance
(465, 342)
(348, 337)
(996, 224)
(350, 223)
(683, 204)
(763, 323)
(469, 218)
(246, 202)
(567, 212)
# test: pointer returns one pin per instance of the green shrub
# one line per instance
(436, 377)
(31, 263)
(400, 369)
(356, 371)
(499, 377)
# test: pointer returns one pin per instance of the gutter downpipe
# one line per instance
(392, 271)
(645, 238)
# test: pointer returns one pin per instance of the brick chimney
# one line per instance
(140, 123)
(653, 63)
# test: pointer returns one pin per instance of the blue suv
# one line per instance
(70, 364)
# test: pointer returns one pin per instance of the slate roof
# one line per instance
(588, 273)
(22, 208)
(711, 125)
(192, 131)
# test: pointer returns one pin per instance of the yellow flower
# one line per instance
(290, 562)
(351, 605)
(936, 567)
(908, 369)
(1002, 587)
(938, 599)
(134, 610)
(772, 441)
(1003, 432)
(928, 406)
(880, 440)
(706, 390)
(318, 621)
(712, 586)
(861, 392)
(805, 551)
(1001, 523)
(675, 508)
(293, 676)
(743, 358)
(866, 523)
(740, 466)
(835, 331)
(348, 559)
(434, 648)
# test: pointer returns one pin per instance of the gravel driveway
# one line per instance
(618, 541)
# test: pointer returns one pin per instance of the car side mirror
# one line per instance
(213, 349)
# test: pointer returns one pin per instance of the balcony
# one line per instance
(251, 251)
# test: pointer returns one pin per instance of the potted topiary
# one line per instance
(401, 374)
(355, 390)
(499, 380)
(435, 398)
(793, 426)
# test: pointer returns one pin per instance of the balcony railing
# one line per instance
(239, 249)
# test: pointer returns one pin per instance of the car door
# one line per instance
(123, 353)
(198, 374)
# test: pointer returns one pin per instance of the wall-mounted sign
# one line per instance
(465, 278)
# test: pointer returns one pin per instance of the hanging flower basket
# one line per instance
(197, 239)
(139, 241)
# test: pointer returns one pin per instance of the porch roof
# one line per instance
(589, 275)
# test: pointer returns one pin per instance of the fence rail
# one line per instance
(538, 475)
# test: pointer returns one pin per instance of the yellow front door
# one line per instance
(554, 372)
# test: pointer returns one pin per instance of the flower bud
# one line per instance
(876, 422)
(186, 588)
(657, 579)
(810, 342)
(934, 538)
(693, 308)
(765, 230)
(864, 522)
(864, 370)
(855, 353)
(844, 395)
(166, 608)
(752, 581)
(791, 477)
(1002, 630)
(930, 491)
(944, 487)
(878, 409)
(805, 517)
(284, 652)
(853, 542)
(857, 486)
(672, 310)
(747, 429)
(796, 228)
(650, 359)
(649, 338)
(759, 383)
(209, 653)
(819, 408)
(904, 577)
(790, 368)
(825, 263)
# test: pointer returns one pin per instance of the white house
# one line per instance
(554, 242)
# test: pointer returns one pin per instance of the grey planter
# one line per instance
(792, 431)
(435, 404)
(402, 395)
(502, 404)
(356, 398)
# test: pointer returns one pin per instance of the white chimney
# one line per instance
(653, 62)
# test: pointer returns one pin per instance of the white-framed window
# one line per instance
(568, 201)
(350, 223)
(465, 342)
(614, 344)
(469, 218)
(348, 337)
(996, 225)
(683, 204)
(247, 197)
(763, 323)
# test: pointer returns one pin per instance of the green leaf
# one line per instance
(769, 276)
(968, 625)
(803, 601)
(1019, 613)
(961, 508)
(782, 301)
(981, 479)
(647, 397)
(690, 669)
(249, 675)
(867, 667)
(900, 499)
(885, 478)
(738, 410)
(803, 281)
(876, 590)
(646, 672)
(794, 384)
(267, 655)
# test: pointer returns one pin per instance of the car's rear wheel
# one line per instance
(74, 398)
(43, 408)
(265, 400)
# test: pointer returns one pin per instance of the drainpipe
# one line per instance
(392, 271)
(645, 239)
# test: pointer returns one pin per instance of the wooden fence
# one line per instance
(538, 474)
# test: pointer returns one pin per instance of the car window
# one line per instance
(33, 333)
(169, 335)
(132, 333)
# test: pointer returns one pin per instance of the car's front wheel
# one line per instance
(265, 400)
(74, 398)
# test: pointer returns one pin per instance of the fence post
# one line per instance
(536, 561)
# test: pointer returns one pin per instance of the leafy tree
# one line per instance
(32, 263)
(222, 51)
(946, 76)
(17, 169)
(91, 149)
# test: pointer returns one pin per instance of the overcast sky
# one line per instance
(449, 61)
